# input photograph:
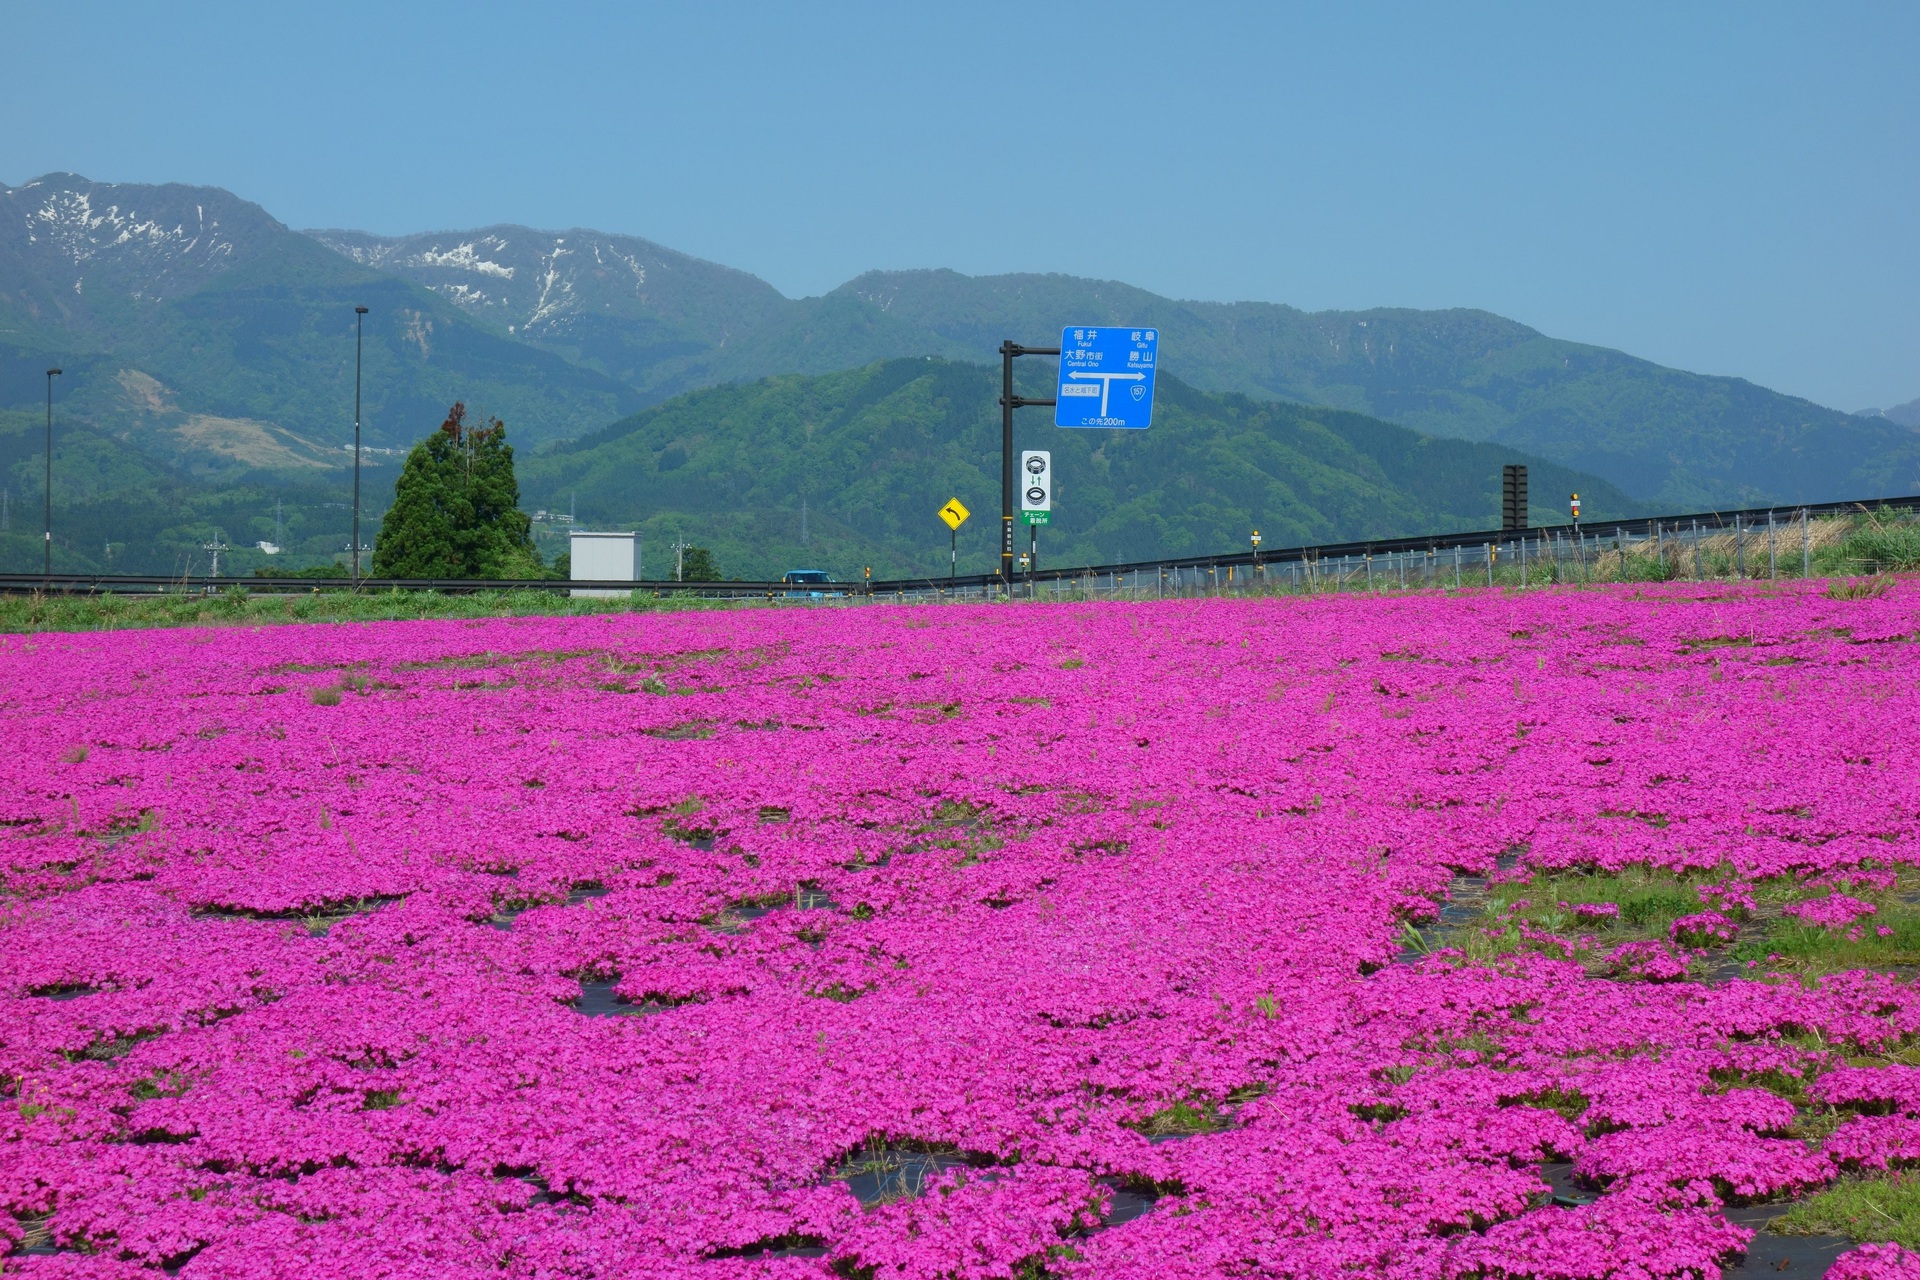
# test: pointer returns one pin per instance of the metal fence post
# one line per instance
(1739, 550)
(1806, 547)
(1773, 563)
(1696, 551)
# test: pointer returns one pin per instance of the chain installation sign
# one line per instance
(1036, 486)
(1106, 378)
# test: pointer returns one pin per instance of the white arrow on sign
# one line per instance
(1106, 384)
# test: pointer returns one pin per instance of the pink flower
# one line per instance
(1652, 961)
(1835, 910)
(1703, 929)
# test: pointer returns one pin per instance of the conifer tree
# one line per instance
(456, 509)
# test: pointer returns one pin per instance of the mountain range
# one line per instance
(213, 347)
(666, 323)
(1907, 415)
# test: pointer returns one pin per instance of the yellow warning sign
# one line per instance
(955, 513)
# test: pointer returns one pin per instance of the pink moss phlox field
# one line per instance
(628, 945)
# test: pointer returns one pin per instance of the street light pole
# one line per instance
(47, 566)
(359, 314)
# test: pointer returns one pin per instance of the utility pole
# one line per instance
(47, 569)
(216, 546)
(359, 314)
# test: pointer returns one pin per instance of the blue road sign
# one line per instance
(1106, 378)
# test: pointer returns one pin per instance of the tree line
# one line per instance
(456, 513)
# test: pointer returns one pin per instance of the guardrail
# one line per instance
(1486, 544)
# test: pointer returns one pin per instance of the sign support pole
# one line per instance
(1007, 351)
(1008, 403)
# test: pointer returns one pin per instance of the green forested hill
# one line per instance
(117, 509)
(1676, 439)
(867, 455)
(873, 452)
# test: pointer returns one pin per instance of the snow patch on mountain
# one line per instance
(464, 295)
(465, 257)
(370, 254)
(632, 262)
(69, 221)
(556, 291)
(94, 240)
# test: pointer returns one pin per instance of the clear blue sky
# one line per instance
(1728, 188)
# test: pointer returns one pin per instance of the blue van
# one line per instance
(807, 578)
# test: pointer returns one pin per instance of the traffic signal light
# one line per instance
(1513, 497)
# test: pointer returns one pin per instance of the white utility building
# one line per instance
(604, 557)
